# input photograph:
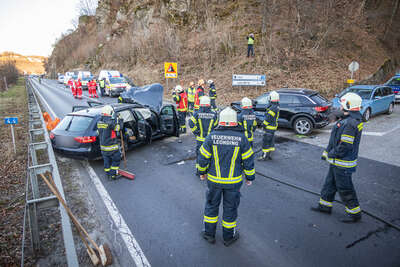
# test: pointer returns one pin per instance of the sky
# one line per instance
(31, 27)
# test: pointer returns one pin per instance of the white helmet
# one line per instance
(210, 81)
(178, 88)
(246, 103)
(273, 96)
(351, 101)
(228, 117)
(205, 101)
(107, 110)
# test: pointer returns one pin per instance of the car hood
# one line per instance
(149, 95)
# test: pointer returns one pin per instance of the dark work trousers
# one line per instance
(213, 103)
(268, 142)
(339, 180)
(182, 121)
(230, 193)
(251, 143)
(198, 145)
(250, 50)
(102, 91)
(111, 162)
(191, 108)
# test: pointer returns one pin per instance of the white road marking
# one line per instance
(370, 133)
(132, 245)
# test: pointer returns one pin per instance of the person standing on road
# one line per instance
(78, 88)
(108, 129)
(250, 45)
(342, 154)
(191, 92)
(202, 123)
(213, 94)
(247, 119)
(102, 85)
(270, 125)
(199, 94)
(180, 97)
(72, 87)
(224, 157)
(92, 87)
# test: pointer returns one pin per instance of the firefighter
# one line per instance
(247, 119)
(270, 125)
(180, 97)
(224, 157)
(72, 87)
(202, 123)
(199, 93)
(78, 88)
(191, 92)
(108, 129)
(342, 153)
(102, 85)
(213, 94)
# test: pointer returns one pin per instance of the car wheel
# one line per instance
(390, 109)
(367, 114)
(302, 126)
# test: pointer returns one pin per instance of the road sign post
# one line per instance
(170, 71)
(248, 80)
(11, 121)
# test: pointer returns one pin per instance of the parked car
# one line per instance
(68, 75)
(115, 82)
(300, 109)
(376, 99)
(76, 135)
(394, 83)
(60, 78)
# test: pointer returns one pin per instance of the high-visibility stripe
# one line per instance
(266, 123)
(247, 154)
(201, 168)
(266, 150)
(233, 162)
(360, 126)
(345, 163)
(209, 126)
(193, 120)
(270, 112)
(205, 153)
(245, 129)
(228, 224)
(117, 128)
(222, 180)
(102, 125)
(201, 129)
(106, 169)
(114, 167)
(109, 148)
(269, 127)
(354, 210)
(347, 138)
(194, 128)
(210, 219)
(183, 126)
(198, 138)
(325, 203)
(249, 172)
(216, 161)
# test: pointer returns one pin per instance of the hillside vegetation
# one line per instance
(25, 64)
(299, 43)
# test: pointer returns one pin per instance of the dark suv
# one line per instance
(300, 109)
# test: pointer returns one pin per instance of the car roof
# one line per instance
(299, 91)
(365, 87)
(96, 110)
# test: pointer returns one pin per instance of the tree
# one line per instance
(87, 7)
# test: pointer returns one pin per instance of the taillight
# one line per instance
(321, 109)
(85, 139)
(51, 136)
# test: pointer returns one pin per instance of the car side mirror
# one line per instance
(255, 102)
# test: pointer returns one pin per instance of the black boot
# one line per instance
(322, 209)
(210, 239)
(351, 218)
(229, 242)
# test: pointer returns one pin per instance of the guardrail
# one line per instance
(39, 141)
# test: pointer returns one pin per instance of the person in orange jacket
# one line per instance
(180, 97)
(72, 87)
(92, 88)
(94, 84)
(78, 88)
(199, 93)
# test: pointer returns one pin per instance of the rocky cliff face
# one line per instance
(299, 43)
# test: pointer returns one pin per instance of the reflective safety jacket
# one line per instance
(78, 84)
(102, 84)
(213, 92)
(247, 119)
(225, 155)
(107, 128)
(199, 93)
(271, 118)
(342, 150)
(92, 84)
(191, 92)
(203, 122)
(181, 100)
(70, 82)
(250, 40)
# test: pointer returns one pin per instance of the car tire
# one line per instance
(303, 126)
(367, 115)
(390, 109)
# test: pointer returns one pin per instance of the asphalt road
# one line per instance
(163, 206)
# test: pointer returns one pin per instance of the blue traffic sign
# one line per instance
(11, 120)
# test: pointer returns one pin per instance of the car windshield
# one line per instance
(86, 78)
(395, 81)
(73, 123)
(117, 80)
(363, 93)
(75, 77)
(262, 99)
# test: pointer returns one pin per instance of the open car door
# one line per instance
(169, 124)
(144, 131)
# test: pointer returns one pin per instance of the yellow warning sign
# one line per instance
(350, 81)
(170, 70)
